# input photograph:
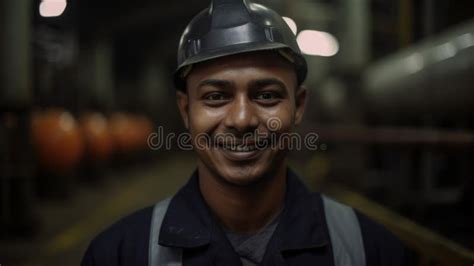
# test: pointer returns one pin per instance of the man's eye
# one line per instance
(216, 97)
(267, 95)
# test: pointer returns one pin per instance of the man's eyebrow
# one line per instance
(259, 83)
(219, 83)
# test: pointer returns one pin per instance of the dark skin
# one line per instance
(236, 95)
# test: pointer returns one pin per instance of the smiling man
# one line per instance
(239, 91)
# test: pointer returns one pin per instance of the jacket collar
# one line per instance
(302, 224)
(188, 223)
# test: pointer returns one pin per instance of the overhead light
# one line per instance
(292, 24)
(445, 51)
(52, 8)
(466, 40)
(319, 43)
(414, 63)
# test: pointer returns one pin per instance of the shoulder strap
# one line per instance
(159, 255)
(345, 234)
(343, 225)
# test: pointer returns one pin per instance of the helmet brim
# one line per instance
(299, 64)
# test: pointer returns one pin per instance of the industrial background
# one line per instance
(84, 83)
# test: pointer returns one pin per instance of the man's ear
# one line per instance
(301, 99)
(182, 100)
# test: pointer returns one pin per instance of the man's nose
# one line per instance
(241, 116)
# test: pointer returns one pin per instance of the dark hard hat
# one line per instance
(230, 27)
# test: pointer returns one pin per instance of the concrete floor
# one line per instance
(68, 226)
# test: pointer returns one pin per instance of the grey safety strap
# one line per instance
(160, 255)
(343, 225)
(345, 234)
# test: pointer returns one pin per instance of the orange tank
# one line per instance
(57, 139)
(97, 135)
(122, 132)
(145, 128)
(130, 131)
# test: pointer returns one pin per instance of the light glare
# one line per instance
(319, 43)
(292, 24)
(414, 63)
(52, 8)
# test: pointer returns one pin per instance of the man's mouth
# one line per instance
(239, 148)
(240, 151)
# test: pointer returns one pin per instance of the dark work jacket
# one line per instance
(301, 237)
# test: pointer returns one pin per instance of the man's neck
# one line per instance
(243, 209)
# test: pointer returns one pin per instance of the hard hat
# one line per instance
(231, 27)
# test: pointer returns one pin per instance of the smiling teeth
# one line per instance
(240, 148)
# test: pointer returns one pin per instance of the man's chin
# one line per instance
(243, 178)
(241, 182)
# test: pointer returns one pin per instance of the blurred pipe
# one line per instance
(405, 22)
(16, 182)
(428, 18)
(97, 74)
(15, 53)
(433, 78)
(354, 37)
(463, 139)
(153, 86)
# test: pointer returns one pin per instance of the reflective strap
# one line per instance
(343, 226)
(160, 255)
(344, 230)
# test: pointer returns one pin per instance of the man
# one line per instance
(239, 71)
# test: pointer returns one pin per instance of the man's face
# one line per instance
(239, 102)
